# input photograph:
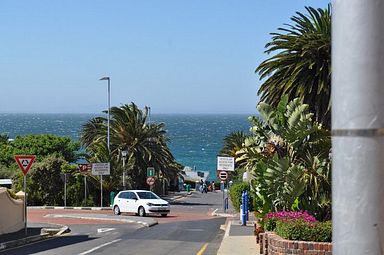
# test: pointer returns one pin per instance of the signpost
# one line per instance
(85, 169)
(25, 162)
(101, 169)
(225, 163)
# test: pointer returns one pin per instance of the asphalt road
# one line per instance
(189, 229)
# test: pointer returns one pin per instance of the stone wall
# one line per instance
(272, 244)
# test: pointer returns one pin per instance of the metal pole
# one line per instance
(357, 127)
(85, 190)
(25, 205)
(65, 190)
(109, 111)
(123, 173)
(101, 191)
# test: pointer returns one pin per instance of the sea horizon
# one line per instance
(195, 139)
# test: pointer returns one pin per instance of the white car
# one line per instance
(140, 202)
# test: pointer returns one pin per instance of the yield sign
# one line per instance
(25, 162)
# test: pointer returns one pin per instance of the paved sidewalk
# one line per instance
(238, 239)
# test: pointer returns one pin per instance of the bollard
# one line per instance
(244, 208)
(241, 213)
(246, 205)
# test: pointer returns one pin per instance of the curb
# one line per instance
(45, 234)
(71, 208)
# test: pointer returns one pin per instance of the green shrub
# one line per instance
(235, 193)
(304, 231)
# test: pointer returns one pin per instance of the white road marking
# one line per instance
(195, 229)
(102, 230)
(100, 246)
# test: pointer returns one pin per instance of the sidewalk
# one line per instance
(238, 239)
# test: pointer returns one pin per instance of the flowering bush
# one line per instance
(271, 218)
(298, 226)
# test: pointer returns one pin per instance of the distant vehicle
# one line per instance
(140, 202)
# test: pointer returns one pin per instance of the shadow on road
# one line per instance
(48, 245)
(190, 203)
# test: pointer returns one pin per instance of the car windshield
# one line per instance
(147, 195)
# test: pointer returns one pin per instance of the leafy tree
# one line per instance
(301, 66)
(44, 145)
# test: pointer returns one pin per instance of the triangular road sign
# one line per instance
(25, 162)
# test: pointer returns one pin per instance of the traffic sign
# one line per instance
(223, 175)
(100, 169)
(150, 171)
(25, 162)
(225, 163)
(84, 168)
(151, 180)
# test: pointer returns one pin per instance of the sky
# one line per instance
(175, 56)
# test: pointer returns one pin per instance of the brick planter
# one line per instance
(272, 244)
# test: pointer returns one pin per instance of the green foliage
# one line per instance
(45, 145)
(304, 231)
(288, 158)
(235, 193)
(301, 65)
(7, 172)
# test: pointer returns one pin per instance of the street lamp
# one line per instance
(109, 105)
(124, 157)
(109, 117)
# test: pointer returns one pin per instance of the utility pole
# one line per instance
(358, 127)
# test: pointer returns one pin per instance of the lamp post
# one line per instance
(109, 117)
(109, 105)
(124, 154)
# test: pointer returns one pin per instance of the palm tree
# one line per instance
(129, 130)
(301, 66)
(233, 143)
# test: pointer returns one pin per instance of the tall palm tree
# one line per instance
(129, 130)
(301, 66)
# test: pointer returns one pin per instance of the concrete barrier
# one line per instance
(11, 213)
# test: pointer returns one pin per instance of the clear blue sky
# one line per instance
(176, 56)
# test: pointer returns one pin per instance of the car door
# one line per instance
(131, 202)
(122, 201)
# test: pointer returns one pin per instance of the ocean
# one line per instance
(195, 139)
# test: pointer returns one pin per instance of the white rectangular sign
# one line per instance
(225, 163)
(100, 169)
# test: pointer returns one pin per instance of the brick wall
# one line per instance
(272, 244)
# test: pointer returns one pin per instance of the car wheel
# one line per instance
(116, 210)
(163, 215)
(141, 211)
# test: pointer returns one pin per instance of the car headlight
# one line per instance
(149, 204)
